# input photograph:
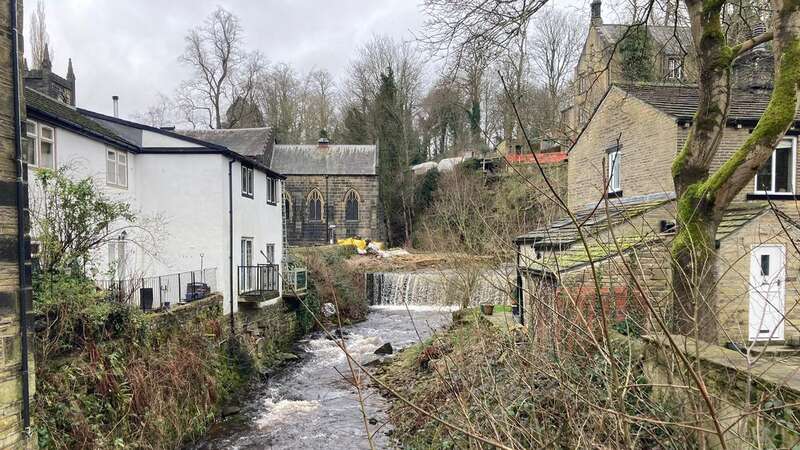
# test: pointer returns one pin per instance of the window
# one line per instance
(777, 175)
(614, 161)
(674, 68)
(247, 181)
(247, 252)
(351, 206)
(116, 168)
(272, 191)
(315, 206)
(287, 206)
(270, 253)
(116, 258)
(40, 146)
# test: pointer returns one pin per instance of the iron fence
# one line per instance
(163, 291)
(258, 280)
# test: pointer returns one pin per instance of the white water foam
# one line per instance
(284, 410)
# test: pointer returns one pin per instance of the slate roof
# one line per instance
(667, 39)
(325, 159)
(40, 106)
(573, 254)
(681, 101)
(134, 131)
(245, 141)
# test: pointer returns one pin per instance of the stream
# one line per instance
(309, 405)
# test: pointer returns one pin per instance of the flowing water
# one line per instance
(310, 404)
(443, 287)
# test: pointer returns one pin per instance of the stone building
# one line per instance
(623, 157)
(16, 362)
(331, 191)
(54, 86)
(600, 64)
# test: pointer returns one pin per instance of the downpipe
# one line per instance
(25, 292)
(230, 242)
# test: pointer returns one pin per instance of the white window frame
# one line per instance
(247, 181)
(272, 191)
(674, 68)
(246, 249)
(34, 133)
(792, 140)
(614, 157)
(270, 253)
(119, 167)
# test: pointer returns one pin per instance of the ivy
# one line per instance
(636, 52)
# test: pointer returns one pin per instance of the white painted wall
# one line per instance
(182, 204)
(157, 140)
(255, 218)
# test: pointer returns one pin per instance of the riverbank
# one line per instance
(314, 403)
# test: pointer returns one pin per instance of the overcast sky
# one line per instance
(131, 48)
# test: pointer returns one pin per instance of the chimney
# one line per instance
(116, 105)
(597, 18)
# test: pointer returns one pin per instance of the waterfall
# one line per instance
(438, 288)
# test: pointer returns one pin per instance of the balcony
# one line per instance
(163, 291)
(258, 283)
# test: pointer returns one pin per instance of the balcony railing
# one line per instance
(260, 280)
(149, 293)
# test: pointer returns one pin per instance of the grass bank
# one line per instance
(507, 387)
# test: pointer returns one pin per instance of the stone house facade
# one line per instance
(331, 191)
(600, 64)
(16, 362)
(623, 159)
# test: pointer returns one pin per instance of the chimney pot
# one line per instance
(115, 98)
(597, 17)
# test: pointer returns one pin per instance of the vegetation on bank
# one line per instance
(524, 394)
(333, 281)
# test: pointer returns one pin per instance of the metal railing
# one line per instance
(163, 291)
(259, 280)
(297, 280)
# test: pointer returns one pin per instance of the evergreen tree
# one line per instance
(387, 114)
(356, 128)
(637, 59)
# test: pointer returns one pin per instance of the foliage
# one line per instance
(470, 213)
(332, 281)
(138, 396)
(70, 313)
(636, 52)
(425, 190)
(72, 218)
(503, 384)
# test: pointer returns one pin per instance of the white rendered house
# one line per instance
(210, 216)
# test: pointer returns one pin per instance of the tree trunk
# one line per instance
(703, 197)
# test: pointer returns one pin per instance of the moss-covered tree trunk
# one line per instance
(703, 196)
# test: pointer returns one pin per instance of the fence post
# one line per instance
(179, 288)
(160, 294)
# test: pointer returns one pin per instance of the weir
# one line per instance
(442, 288)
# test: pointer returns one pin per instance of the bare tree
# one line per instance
(322, 99)
(221, 68)
(39, 37)
(160, 114)
(556, 44)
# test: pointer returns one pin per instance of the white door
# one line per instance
(767, 292)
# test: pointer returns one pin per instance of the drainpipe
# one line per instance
(25, 293)
(327, 214)
(230, 238)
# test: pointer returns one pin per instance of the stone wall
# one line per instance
(11, 427)
(755, 402)
(648, 138)
(334, 189)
